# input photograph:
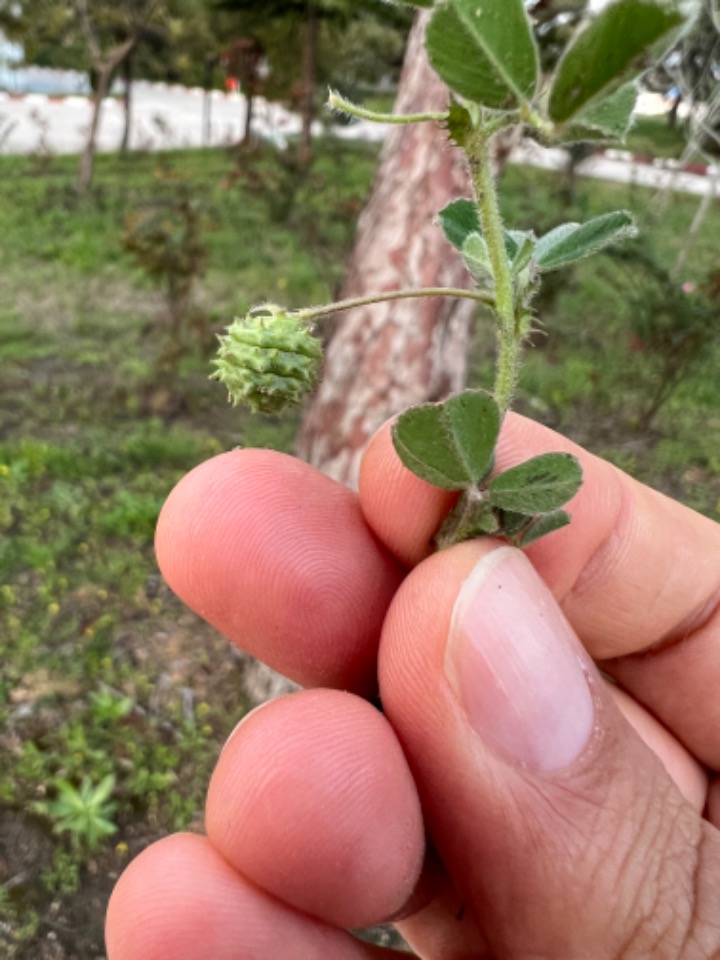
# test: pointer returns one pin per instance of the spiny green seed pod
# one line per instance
(268, 359)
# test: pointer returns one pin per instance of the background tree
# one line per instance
(153, 38)
(48, 32)
(302, 39)
(177, 39)
(110, 33)
(243, 60)
(96, 38)
(194, 32)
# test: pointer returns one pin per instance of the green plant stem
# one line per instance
(533, 119)
(336, 102)
(314, 313)
(508, 336)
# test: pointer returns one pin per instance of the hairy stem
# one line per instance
(314, 313)
(508, 336)
(336, 102)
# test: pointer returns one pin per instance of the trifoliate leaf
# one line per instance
(450, 444)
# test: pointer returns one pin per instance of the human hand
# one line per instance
(555, 830)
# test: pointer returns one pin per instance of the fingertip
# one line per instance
(323, 767)
(278, 557)
(180, 900)
(168, 900)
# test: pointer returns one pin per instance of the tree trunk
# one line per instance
(104, 70)
(87, 159)
(128, 78)
(309, 61)
(383, 358)
(247, 130)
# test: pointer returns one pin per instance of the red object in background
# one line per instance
(241, 62)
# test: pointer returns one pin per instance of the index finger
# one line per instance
(279, 558)
(636, 573)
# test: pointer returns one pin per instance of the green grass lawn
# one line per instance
(104, 673)
(654, 137)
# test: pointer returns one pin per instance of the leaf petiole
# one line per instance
(315, 313)
(338, 103)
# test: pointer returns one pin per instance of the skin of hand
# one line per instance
(541, 782)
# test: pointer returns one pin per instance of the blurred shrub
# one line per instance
(166, 237)
(672, 326)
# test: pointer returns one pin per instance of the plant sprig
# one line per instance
(485, 51)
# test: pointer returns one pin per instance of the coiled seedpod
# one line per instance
(268, 359)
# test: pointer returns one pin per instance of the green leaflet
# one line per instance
(605, 120)
(539, 485)
(484, 50)
(615, 42)
(451, 444)
(458, 220)
(571, 242)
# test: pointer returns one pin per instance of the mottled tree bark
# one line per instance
(383, 358)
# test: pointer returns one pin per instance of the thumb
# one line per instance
(560, 829)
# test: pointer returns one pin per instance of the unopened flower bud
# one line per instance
(268, 359)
